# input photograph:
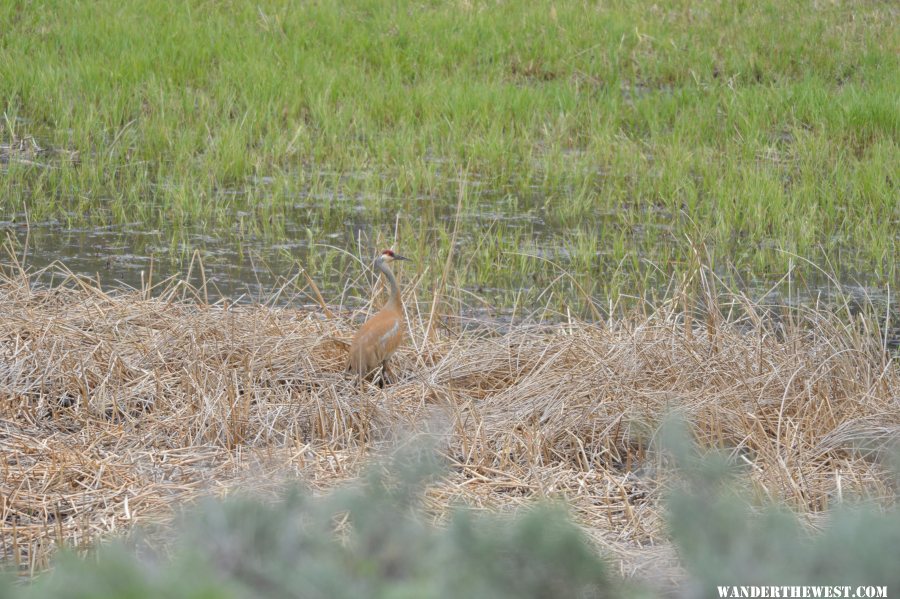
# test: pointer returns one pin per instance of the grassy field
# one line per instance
(598, 135)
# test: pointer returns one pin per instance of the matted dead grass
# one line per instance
(116, 407)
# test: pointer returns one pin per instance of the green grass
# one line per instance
(622, 127)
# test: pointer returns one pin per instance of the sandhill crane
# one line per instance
(377, 339)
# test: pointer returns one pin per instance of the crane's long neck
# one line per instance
(395, 289)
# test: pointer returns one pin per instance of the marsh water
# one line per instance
(510, 258)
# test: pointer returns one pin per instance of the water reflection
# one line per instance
(520, 279)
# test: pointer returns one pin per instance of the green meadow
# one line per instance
(612, 141)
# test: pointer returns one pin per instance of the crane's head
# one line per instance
(388, 256)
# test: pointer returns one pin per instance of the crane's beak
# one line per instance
(399, 257)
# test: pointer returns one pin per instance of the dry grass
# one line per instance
(116, 407)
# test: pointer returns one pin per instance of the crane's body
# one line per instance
(379, 337)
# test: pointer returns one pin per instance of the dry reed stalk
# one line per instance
(115, 407)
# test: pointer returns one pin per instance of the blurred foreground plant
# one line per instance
(374, 539)
(370, 539)
(724, 539)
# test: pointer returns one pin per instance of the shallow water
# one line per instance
(125, 255)
(332, 238)
(335, 249)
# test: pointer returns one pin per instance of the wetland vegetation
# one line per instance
(119, 407)
(645, 207)
(597, 138)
